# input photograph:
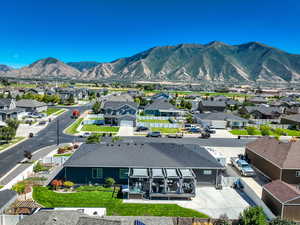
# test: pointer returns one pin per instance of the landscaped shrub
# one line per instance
(253, 216)
(92, 188)
(279, 221)
(19, 187)
(94, 138)
(56, 184)
(251, 130)
(68, 184)
(265, 130)
(40, 167)
(280, 131)
(223, 220)
(64, 149)
(109, 182)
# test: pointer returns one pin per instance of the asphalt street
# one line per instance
(48, 136)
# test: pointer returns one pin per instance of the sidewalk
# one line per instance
(19, 168)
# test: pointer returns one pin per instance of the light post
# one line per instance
(57, 130)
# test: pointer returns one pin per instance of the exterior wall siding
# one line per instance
(273, 204)
(83, 175)
(203, 178)
(291, 212)
(289, 176)
(263, 165)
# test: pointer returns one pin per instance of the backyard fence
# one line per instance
(264, 121)
(55, 160)
(98, 116)
(273, 126)
(160, 125)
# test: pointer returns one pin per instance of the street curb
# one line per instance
(9, 147)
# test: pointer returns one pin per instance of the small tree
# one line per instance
(265, 130)
(109, 182)
(253, 216)
(189, 119)
(39, 167)
(56, 184)
(279, 221)
(19, 187)
(94, 138)
(223, 220)
(96, 107)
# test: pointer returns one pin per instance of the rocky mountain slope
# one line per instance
(215, 61)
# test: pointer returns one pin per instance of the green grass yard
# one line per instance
(51, 111)
(61, 155)
(272, 133)
(97, 128)
(166, 130)
(72, 129)
(114, 206)
(10, 143)
(154, 121)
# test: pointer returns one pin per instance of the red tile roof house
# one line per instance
(283, 199)
(275, 159)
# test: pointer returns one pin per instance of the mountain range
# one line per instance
(215, 61)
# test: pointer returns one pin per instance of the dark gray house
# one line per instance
(151, 170)
(120, 113)
(7, 197)
(161, 96)
(262, 112)
(212, 106)
(162, 107)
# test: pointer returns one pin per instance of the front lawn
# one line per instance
(154, 121)
(73, 128)
(166, 130)
(272, 132)
(50, 111)
(114, 206)
(10, 143)
(61, 155)
(97, 128)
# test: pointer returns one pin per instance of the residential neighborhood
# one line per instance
(127, 155)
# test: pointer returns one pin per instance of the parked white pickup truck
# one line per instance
(242, 166)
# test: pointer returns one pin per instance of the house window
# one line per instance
(97, 173)
(297, 173)
(123, 173)
(207, 172)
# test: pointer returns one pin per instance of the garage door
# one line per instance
(126, 123)
(219, 124)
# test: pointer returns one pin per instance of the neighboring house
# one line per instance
(149, 170)
(221, 120)
(120, 98)
(292, 110)
(161, 96)
(275, 159)
(31, 105)
(162, 107)
(258, 100)
(120, 113)
(283, 199)
(211, 106)
(7, 197)
(8, 110)
(36, 91)
(261, 112)
(220, 98)
(66, 94)
(291, 120)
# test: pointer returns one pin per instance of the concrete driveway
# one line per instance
(223, 133)
(217, 202)
(125, 131)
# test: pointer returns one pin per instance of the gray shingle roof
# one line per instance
(209, 103)
(5, 101)
(29, 103)
(148, 220)
(220, 116)
(295, 118)
(121, 98)
(161, 104)
(114, 105)
(142, 155)
(264, 109)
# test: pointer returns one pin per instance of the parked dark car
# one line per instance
(31, 135)
(208, 130)
(175, 136)
(154, 134)
(194, 130)
(205, 135)
(142, 128)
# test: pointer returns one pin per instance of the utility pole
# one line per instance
(57, 130)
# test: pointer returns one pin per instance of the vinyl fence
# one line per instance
(160, 125)
(273, 126)
(99, 116)
(265, 121)
(160, 118)
(55, 160)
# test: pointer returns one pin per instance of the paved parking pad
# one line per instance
(210, 201)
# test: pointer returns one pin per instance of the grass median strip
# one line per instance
(51, 111)
(97, 128)
(113, 205)
(73, 128)
(10, 143)
(272, 133)
(166, 130)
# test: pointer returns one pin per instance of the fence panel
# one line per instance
(10, 219)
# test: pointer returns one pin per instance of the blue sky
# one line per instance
(104, 30)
